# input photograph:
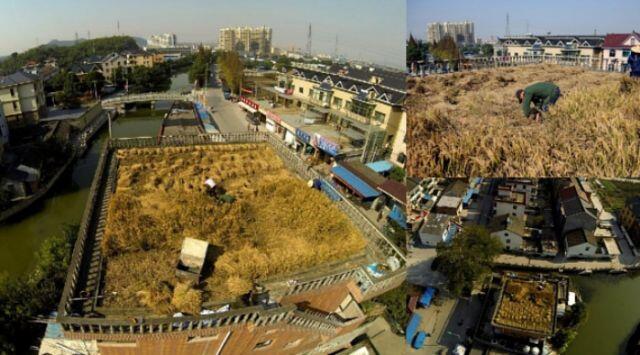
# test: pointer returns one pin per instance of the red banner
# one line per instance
(275, 118)
(250, 103)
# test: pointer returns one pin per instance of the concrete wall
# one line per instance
(584, 250)
(510, 240)
(509, 208)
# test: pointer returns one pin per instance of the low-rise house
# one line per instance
(581, 243)
(438, 228)
(22, 99)
(137, 58)
(575, 209)
(512, 232)
(617, 49)
(510, 202)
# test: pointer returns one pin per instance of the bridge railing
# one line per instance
(150, 96)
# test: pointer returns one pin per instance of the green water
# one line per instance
(180, 82)
(613, 304)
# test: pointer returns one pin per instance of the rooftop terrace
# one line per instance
(526, 307)
(276, 225)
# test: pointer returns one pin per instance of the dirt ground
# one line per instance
(277, 224)
(470, 124)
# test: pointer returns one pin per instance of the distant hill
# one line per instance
(141, 42)
(69, 52)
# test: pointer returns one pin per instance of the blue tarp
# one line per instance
(354, 182)
(418, 342)
(426, 196)
(412, 327)
(380, 167)
(398, 216)
(451, 232)
(329, 191)
(427, 296)
(468, 195)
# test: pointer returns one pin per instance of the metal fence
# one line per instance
(586, 62)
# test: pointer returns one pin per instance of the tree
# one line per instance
(231, 69)
(487, 50)
(416, 49)
(68, 98)
(94, 81)
(397, 174)
(446, 50)
(200, 67)
(467, 258)
(283, 62)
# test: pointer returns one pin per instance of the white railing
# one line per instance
(150, 96)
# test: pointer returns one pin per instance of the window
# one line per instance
(337, 102)
(587, 248)
(612, 53)
(626, 53)
(263, 344)
(508, 241)
(15, 106)
(301, 90)
(13, 93)
(379, 116)
(515, 207)
(506, 234)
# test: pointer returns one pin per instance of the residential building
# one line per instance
(512, 232)
(581, 243)
(575, 209)
(246, 40)
(587, 47)
(109, 64)
(630, 219)
(364, 104)
(22, 98)
(166, 40)
(510, 201)
(438, 228)
(463, 33)
(617, 49)
(139, 59)
(399, 147)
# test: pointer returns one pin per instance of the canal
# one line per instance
(22, 235)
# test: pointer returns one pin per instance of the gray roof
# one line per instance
(554, 40)
(17, 78)
(346, 81)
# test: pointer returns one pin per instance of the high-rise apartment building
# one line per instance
(167, 40)
(246, 40)
(461, 32)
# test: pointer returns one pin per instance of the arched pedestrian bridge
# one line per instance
(146, 97)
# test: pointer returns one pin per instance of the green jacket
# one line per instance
(540, 94)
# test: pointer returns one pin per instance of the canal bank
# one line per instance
(22, 235)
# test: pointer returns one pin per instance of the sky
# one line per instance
(555, 16)
(370, 30)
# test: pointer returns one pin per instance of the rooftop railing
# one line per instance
(76, 323)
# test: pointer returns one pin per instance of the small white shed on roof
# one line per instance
(192, 257)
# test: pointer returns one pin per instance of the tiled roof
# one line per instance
(17, 78)
(395, 189)
(346, 82)
(616, 40)
(556, 40)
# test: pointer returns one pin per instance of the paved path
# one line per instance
(227, 115)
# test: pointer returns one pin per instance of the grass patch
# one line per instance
(614, 194)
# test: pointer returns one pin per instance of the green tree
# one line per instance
(94, 81)
(69, 96)
(467, 258)
(397, 174)
(282, 63)
(416, 49)
(200, 67)
(24, 298)
(231, 70)
(446, 49)
(487, 50)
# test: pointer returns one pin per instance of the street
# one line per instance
(227, 115)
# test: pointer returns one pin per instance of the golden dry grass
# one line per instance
(469, 124)
(276, 225)
(527, 305)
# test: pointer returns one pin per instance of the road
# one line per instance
(228, 116)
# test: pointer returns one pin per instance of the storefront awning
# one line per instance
(247, 107)
(355, 183)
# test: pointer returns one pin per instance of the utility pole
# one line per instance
(335, 49)
(508, 29)
(309, 41)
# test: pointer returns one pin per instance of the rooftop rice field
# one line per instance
(276, 225)
(470, 124)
